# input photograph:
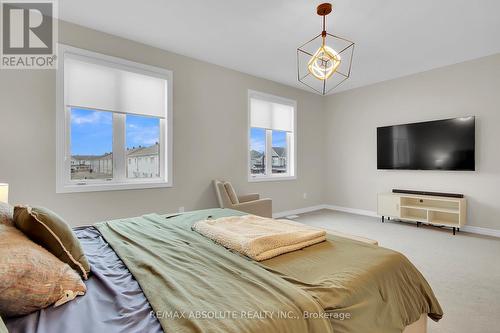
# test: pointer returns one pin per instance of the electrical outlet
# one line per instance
(304, 195)
(181, 209)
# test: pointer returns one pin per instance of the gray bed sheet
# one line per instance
(114, 301)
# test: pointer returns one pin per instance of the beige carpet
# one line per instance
(463, 270)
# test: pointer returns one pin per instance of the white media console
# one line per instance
(436, 210)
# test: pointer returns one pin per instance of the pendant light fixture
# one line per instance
(324, 62)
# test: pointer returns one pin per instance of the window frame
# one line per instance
(64, 184)
(291, 141)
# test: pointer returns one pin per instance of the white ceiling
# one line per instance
(393, 38)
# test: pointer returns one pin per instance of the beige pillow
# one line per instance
(6, 212)
(31, 278)
(231, 193)
(50, 231)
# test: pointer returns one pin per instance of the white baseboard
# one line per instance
(481, 231)
(298, 211)
(467, 228)
(352, 210)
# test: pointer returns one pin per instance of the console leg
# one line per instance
(458, 229)
(418, 224)
(388, 218)
(382, 219)
(454, 230)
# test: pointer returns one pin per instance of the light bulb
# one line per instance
(324, 62)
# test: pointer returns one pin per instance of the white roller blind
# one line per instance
(270, 115)
(113, 88)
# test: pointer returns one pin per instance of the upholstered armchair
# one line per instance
(249, 203)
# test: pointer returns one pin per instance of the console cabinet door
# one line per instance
(389, 205)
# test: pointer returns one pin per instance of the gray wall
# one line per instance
(470, 88)
(210, 137)
(336, 137)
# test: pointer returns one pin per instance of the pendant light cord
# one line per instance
(323, 33)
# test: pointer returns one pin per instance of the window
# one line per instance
(113, 123)
(271, 137)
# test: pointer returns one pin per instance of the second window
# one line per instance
(271, 137)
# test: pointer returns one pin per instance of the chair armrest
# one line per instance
(261, 207)
(249, 197)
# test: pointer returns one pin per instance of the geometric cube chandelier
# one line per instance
(325, 61)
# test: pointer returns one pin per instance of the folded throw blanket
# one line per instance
(257, 237)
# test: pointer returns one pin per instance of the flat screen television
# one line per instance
(433, 145)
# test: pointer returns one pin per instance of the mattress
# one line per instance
(114, 301)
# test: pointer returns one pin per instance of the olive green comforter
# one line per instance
(361, 287)
(195, 285)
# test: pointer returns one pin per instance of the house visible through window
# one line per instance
(280, 152)
(114, 123)
(271, 137)
(257, 151)
(143, 140)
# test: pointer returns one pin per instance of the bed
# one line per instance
(154, 274)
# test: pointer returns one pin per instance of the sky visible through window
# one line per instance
(257, 139)
(279, 139)
(142, 131)
(92, 132)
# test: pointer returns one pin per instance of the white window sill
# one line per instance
(90, 187)
(270, 178)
